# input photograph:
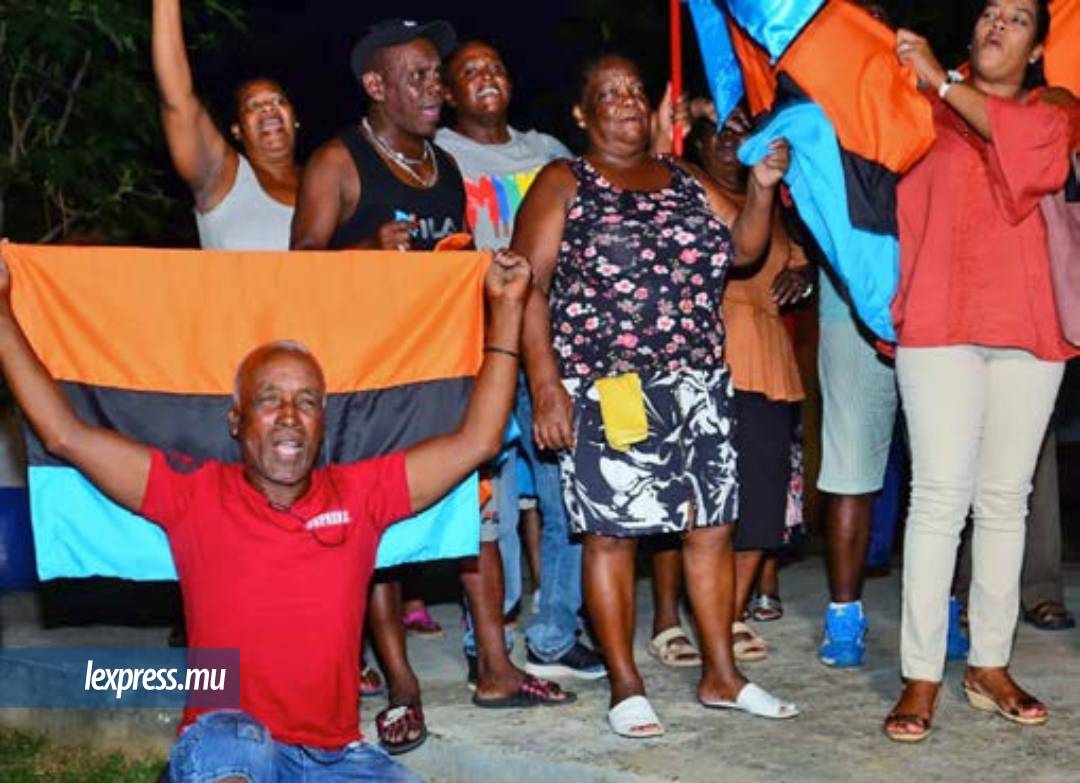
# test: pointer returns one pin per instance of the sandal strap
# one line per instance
(739, 627)
(633, 714)
(1025, 702)
(672, 634)
(768, 601)
(540, 690)
(1050, 611)
(399, 713)
(904, 717)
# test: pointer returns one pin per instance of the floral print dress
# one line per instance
(637, 288)
(639, 278)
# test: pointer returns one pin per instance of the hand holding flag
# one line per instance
(914, 50)
(768, 172)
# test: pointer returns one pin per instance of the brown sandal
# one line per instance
(896, 719)
(982, 700)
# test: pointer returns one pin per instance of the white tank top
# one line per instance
(246, 219)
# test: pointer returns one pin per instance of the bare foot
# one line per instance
(504, 682)
(715, 688)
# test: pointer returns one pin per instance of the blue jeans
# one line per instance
(504, 485)
(554, 630)
(233, 744)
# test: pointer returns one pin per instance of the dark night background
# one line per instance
(305, 45)
(89, 165)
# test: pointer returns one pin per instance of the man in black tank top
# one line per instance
(385, 185)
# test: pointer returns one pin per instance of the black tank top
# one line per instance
(439, 209)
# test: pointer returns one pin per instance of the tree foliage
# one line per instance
(81, 150)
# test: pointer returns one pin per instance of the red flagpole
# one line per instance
(675, 14)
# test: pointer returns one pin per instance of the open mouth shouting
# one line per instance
(430, 113)
(288, 446)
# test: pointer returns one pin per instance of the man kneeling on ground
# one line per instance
(255, 572)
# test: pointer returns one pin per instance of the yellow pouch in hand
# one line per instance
(622, 408)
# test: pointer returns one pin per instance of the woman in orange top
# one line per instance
(764, 372)
(980, 353)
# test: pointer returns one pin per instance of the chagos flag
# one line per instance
(855, 123)
(147, 342)
(824, 75)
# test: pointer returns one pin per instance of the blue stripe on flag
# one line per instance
(79, 532)
(867, 263)
(774, 23)
(721, 65)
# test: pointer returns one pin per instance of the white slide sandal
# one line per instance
(633, 717)
(755, 700)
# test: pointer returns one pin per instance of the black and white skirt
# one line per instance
(681, 477)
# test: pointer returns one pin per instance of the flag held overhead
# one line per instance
(717, 53)
(775, 24)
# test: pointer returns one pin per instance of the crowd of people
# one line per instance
(636, 336)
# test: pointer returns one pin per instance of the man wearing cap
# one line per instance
(384, 185)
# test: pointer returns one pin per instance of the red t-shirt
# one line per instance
(288, 588)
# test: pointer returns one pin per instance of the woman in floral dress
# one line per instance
(630, 252)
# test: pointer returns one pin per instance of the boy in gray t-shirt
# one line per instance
(497, 175)
(498, 164)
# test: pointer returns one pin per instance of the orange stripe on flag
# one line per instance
(845, 60)
(1063, 45)
(757, 72)
(180, 321)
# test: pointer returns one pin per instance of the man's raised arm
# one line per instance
(436, 465)
(199, 150)
(118, 466)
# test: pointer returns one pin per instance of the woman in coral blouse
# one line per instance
(980, 354)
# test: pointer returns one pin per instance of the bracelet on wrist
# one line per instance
(951, 78)
(503, 351)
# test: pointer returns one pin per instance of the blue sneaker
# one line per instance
(958, 644)
(845, 636)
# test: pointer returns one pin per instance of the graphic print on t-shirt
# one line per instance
(496, 199)
(427, 228)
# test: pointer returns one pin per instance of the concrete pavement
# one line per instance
(837, 737)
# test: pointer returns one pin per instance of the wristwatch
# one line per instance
(951, 78)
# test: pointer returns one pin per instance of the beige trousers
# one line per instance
(976, 419)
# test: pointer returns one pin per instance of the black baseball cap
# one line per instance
(391, 32)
